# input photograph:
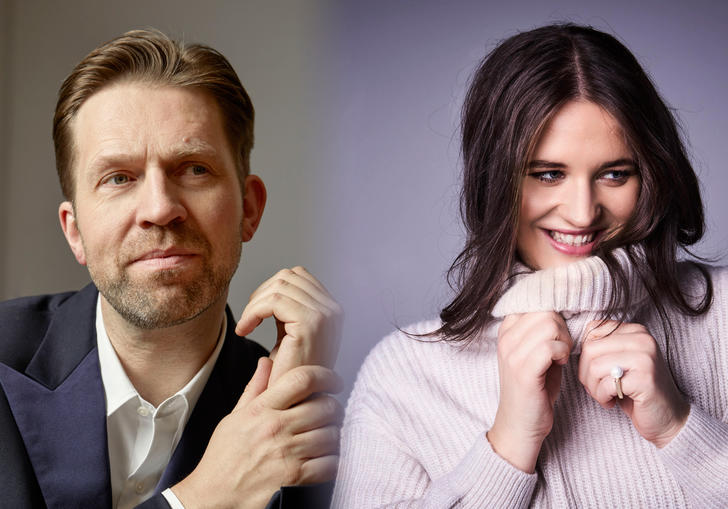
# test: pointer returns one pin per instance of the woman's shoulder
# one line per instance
(405, 348)
(694, 279)
(414, 357)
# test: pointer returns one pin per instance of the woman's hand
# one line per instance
(651, 398)
(532, 348)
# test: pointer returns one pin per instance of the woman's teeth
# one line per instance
(572, 240)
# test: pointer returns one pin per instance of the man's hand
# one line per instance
(278, 435)
(307, 317)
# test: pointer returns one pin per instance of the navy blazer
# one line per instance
(53, 447)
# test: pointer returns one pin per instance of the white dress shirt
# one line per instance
(141, 437)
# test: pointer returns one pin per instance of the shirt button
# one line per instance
(139, 487)
(143, 411)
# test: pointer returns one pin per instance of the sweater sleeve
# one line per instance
(698, 458)
(381, 464)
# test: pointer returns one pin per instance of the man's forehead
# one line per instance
(128, 117)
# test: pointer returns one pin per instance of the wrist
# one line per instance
(677, 424)
(522, 454)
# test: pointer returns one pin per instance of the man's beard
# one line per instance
(161, 300)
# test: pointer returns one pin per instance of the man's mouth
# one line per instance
(165, 253)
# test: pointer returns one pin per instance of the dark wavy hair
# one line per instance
(517, 88)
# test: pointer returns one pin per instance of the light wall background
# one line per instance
(356, 132)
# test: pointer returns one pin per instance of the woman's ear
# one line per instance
(253, 204)
(67, 216)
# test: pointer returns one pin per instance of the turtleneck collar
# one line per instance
(579, 291)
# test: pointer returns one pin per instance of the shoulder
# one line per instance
(696, 279)
(24, 322)
(404, 351)
(405, 367)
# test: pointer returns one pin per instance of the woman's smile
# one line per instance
(581, 184)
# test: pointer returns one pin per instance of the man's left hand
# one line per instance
(307, 317)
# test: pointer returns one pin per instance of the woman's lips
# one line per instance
(575, 243)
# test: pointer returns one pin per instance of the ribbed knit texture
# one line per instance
(414, 432)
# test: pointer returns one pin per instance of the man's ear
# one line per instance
(67, 216)
(253, 205)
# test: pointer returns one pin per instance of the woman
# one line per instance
(580, 363)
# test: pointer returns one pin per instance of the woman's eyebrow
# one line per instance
(540, 163)
(625, 161)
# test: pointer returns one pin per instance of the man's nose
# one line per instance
(159, 202)
(580, 204)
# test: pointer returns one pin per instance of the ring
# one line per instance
(617, 373)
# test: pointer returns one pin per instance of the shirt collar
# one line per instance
(117, 386)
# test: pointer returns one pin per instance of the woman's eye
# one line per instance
(617, 176)
(548, 177)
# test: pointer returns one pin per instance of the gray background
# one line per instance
(356, 136)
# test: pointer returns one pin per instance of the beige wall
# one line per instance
(4, 123)
(271, 44)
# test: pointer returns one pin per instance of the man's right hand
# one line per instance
(282, 435)
(532, 348)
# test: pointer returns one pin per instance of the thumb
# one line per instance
(257, 384)
(290, 354)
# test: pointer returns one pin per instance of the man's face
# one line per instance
(158, 216)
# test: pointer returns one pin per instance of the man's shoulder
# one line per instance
(24, 322)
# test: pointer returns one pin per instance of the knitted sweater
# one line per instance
(414, 432)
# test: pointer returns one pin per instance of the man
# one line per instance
(137, 391)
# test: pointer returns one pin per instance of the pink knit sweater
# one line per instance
(414, 432)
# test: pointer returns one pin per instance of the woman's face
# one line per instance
(581, 183)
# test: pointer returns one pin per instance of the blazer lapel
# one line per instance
(234, 368)
(59, 407)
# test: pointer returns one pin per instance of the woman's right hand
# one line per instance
(532, 348)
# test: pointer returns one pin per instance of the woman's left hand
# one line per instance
(651, 399)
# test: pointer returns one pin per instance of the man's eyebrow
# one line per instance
(191, 148)
(540, 163)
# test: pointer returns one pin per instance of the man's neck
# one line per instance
(159, 362)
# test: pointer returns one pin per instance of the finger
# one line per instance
(257, 384)
(598, 329)
(291, 352)
(508, 322)
(595, 350)
(318, 470)
(605, 390)
(301, 271)
(283, 307)
(315, 443)
(600, 382)
(299, 383)
(288, 277)
(316, 412)
(531, 331)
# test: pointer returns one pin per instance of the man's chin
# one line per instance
(159, 305)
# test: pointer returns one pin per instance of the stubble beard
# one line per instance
(167, 297)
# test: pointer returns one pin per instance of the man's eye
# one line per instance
(197, 169)
(119, 179)
(548, 177)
